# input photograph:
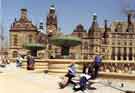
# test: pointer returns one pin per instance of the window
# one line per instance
(96, 49)
(103, 50)
(113, 43)
(125, 43)
(85, 56)
(85, 45)
(30, 38)
(15, 40)
(130, 54)
(15, 53)
(119, 54)
(130, 28)
(118, 27)
(118, 42)
(130, 43)
(125, 53)
(113, 53)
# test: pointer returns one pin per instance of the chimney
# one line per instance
(106, 26)
(23, 13)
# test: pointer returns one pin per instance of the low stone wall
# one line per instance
(61, 65)
(40, 65)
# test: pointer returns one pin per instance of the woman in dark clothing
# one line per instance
(89, 69)
(30, 63)
(97, 63)
(82, 83)
(84, 68)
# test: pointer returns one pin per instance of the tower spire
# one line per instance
(23, 15)
(94, 23)
(51, 23)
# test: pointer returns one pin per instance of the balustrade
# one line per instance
(61, 65)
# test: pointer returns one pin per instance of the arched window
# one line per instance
(15, 53)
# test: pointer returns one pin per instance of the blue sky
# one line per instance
(70, 12)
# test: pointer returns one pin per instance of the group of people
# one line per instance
(90, 71)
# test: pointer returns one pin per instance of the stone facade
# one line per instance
(114, 42)
(22, 31)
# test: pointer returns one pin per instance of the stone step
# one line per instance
(41, 66)
(61, 70)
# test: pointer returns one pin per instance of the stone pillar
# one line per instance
(127, 53)
(110, 53)
(116, 52)
(122, 52)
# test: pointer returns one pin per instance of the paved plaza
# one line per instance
(16, 80)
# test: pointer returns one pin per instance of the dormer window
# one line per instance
(118, 27)
(130, 28)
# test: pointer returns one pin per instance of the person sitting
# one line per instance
(19, 61)
(89, 69)
(81, 86)
(68, 77)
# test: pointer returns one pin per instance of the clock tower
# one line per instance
(51, 21)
